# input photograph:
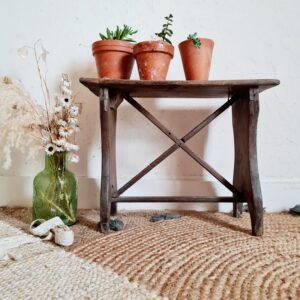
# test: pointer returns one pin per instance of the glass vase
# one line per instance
(55, 190)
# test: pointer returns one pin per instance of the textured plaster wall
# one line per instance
(253, 39)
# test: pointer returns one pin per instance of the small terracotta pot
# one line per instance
(153, 59)
(196, 61)
(114, 58)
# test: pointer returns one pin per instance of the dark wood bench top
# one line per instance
(178, 88)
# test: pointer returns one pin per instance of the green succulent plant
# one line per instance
(166, 31)
(194, 38)
(122, 34)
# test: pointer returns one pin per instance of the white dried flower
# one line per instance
(57, 109)
(65, 101)
(71, 147)
(59, 148)
(60, 142)
(74, 111)
(72, 121)
(65, 131)
(50, 149)
(62, 123)
(60, 145)
(65, 80)
(65, 83)
(66, 91)
(73, 158)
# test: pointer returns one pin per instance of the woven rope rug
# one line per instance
(202, 255)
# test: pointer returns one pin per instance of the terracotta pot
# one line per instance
(196, 61)
(153, 59)
(114, 58)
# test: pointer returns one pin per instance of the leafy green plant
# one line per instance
(122, 34)
(166, 31)
(194, 38)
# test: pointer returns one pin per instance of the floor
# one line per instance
(201, 255)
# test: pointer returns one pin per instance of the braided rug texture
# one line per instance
(202, 255)
(40, 270)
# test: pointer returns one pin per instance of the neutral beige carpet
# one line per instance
(40, 270)
(200, 256)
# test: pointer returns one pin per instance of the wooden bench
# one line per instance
(241, 95)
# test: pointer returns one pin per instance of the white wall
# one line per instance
(253, 39)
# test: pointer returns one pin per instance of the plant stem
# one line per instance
(42, 86)
(166, 29)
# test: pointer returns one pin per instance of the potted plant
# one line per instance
(114, 53)
(196, 57)
(153, 57)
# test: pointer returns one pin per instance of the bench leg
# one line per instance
(105, 195)
(237, 209)
(113, 209)
(113, 169)
(246, 177)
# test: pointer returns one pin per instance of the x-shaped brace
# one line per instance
(179, 143)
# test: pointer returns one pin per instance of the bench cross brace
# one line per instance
(179, 143)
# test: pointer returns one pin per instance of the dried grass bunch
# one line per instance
(29, 127)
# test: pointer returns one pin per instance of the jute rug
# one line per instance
(202, 255)
(39, 270)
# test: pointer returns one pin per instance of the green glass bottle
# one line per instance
(55, 190)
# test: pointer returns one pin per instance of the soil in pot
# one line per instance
(114, 58)
(196, 61)
(153, 59)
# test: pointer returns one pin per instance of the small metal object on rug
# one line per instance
(116, 225)
(157, 218)
(295, 210)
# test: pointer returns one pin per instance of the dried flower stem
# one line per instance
(43, 84)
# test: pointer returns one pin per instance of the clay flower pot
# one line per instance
(114, 58)
(196, 61)
(153, 59)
